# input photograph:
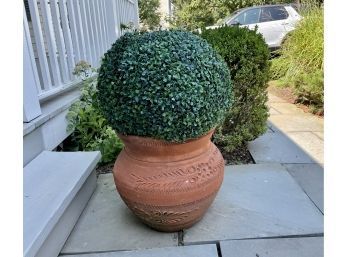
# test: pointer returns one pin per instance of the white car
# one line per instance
(274, 22)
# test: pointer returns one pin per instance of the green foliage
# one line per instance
(90, 131)
(148, 13)
(83, 69)
(127, 27)
(279, 67)
(309, 87)
(301, 62)
(193, 14)
(307, 6)
(167, 85)
(247, 56)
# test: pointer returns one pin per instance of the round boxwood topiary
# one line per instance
(168, 85)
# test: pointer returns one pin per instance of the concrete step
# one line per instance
(57, 187)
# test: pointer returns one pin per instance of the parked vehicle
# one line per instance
(274, 22)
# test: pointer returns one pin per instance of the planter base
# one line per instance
(169, 195)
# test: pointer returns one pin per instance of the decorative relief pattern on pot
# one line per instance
(162, 216)
(182, 179)
(199, 201)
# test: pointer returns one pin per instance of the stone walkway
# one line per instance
(294, 139)
(271, 208)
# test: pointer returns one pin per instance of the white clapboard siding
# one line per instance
(64, 32)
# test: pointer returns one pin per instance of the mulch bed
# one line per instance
(238, 156)
(105, 168)
(287, 94)
(282, 92)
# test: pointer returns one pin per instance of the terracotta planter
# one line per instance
(169, 186)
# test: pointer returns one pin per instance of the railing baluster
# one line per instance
(60, 41)
(73, 29)
(124, 12)
(99, 28)
(91, 33)
(79, 30)
(102, 25)
(40, 45)
(105, 20)
(84, 19)
(121, 11)
(31, 104)
(31, 53)
(67, 37)
(51, 42)
(95, 32)
(113, 26)
(118, 17)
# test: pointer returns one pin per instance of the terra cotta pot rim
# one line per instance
(157, 150)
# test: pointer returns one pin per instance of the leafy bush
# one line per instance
(247, 56)
(90, 131)
(149, 14)
(193, 14)
(301, 62)
(167, 85)
(309, 87)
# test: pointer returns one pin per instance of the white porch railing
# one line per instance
(60, 33)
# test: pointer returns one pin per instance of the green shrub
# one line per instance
(90, 131)
(301, 60)
(167, 85)
(309, 88)
(247, 56)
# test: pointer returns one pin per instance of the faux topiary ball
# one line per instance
(168, 85)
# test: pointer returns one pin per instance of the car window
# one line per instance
(247, 17)
(273, 13)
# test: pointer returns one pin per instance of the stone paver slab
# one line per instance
(284, 247)
(278, 148)
(319, 134)
(208, 250)
(273, 111)
(310, 143)
(311, 178)
(298, 122)
(271, 127)
(257, 200)
(286, 108)
(108, 225)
